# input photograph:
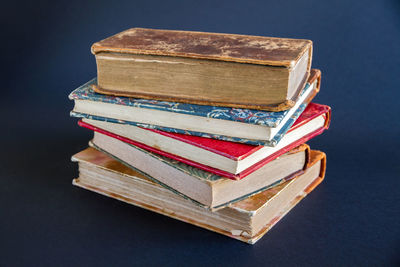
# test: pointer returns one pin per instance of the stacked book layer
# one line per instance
(206, 128)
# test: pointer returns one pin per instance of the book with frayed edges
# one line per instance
(246, 220)
(204, 68)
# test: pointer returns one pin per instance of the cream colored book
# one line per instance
(246, 220)
(208, 189)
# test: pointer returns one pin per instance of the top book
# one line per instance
(215, 69)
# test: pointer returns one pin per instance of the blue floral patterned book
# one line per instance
(92, 105)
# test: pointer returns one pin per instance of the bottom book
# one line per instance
(247, 220)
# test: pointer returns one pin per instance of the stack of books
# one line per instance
(205, 128)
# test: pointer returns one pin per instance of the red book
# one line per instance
(228, 159)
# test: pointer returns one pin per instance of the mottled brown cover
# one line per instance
(256, 50)
(260, 50)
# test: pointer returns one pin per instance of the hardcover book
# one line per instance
(206, 189)
(228, 159)
(246, 220)
(204, 68)
(231, 124)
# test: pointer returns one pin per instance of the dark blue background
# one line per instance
(351, 218)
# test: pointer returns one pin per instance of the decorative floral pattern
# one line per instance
(273, 142)
(251, 116)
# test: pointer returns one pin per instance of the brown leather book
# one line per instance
(204, 68)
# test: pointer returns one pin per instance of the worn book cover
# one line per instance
(246, 220)
(204, 68)
(231, 150)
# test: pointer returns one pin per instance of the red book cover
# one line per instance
(235, 151)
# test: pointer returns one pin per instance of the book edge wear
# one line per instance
(275, 53)
(316, 157)
(189, 49)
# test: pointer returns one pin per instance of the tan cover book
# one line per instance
(247, 220)
(204, 68)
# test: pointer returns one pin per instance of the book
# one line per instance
(207, 189)
(247, 220)
(231, 124)
(227, 70)
(224, 158)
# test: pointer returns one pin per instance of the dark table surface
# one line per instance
(352, 218)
